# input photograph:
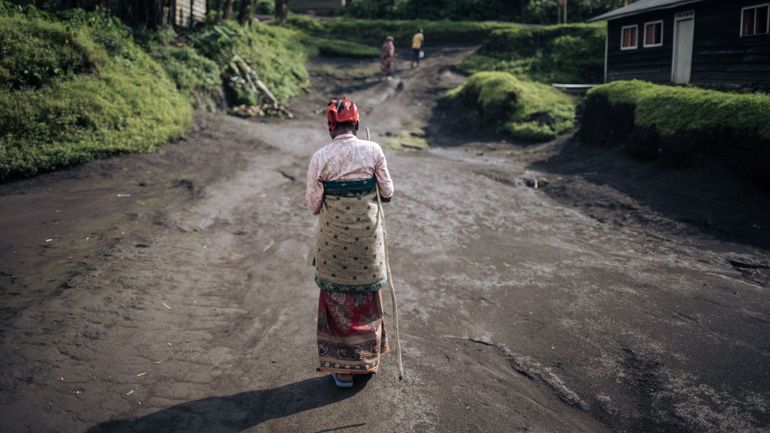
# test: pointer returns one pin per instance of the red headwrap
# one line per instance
(341, 110)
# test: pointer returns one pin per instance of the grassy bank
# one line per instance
(679, 126)
(78, 89)
(341, 48)
(196, 76)
(77, 86)
(276, 54)
(571, 53)
(522, 109)
(373, 32)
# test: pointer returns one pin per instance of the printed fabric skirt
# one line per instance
(386, 65)
(351, 332)
(350, 271)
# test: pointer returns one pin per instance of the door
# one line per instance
(684, 30)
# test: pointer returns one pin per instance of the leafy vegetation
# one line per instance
(276, 54)
(534, 11)
(678, 126)
(88, 91)
(523, 109)
(567, 53)
(341, 48)
(33, 53)
(373, 32)
(675, 109)
(196, 76)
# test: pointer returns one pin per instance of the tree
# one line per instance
(281, 9)
(228, 9)
(246, 10)
(218, 10)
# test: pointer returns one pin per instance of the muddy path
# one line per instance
(172, 292)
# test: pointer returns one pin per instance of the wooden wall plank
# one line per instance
(720, 55)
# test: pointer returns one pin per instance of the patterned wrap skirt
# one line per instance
(350, 271)
(351, 332)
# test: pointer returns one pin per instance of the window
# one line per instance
(629, 37)
(755, 20)
(653, 34)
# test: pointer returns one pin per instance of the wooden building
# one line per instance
(186, 13)
(181, 13)
(723, 43)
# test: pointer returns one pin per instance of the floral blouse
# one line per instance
(346, 158)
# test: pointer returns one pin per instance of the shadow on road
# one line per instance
(238, 412)
(610, 186)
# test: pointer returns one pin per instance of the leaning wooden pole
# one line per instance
(389, 276)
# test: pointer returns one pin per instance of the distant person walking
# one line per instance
(417, 41)
(387, 53)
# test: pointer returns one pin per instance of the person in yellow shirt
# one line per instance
(417, 40)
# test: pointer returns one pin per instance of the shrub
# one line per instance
(33, 52)
(373, 32)
(540, 11)
(196, 76)
(276, 54)
(118, 100)
(571, 53)
(265, 7)
(678, 126)
(520, 108)
(340, 48)
(672, 109)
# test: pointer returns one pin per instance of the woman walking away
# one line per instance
(387, 53)
(417, 41)
(342, 182)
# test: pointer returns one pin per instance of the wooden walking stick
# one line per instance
(390, 277)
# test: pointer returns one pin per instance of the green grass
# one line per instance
(79, 90)
(196, 76)
(373, 32)
(571, 53)
(523, 109)
(677, 109)
(276, 54)
(341, 48)
(682, 126)
(361, 71)
(36, 52)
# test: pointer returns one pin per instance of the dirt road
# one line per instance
(172, 292)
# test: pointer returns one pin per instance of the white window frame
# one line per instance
(644, 34)
(623, 31)
(740, 31)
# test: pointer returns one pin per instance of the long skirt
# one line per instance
(386, 65)
(351, 332)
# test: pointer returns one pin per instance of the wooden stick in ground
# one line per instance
(389, 276)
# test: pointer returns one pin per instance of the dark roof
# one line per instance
(642, 6)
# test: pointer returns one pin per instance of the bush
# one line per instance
(196, 76)
(571, 53)
(115, 99)
(340, 48)
(540, 11)
(265, 7)
(34, 52)
(373, 32)
(523, 109)
(679, 126)
(276, 54)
